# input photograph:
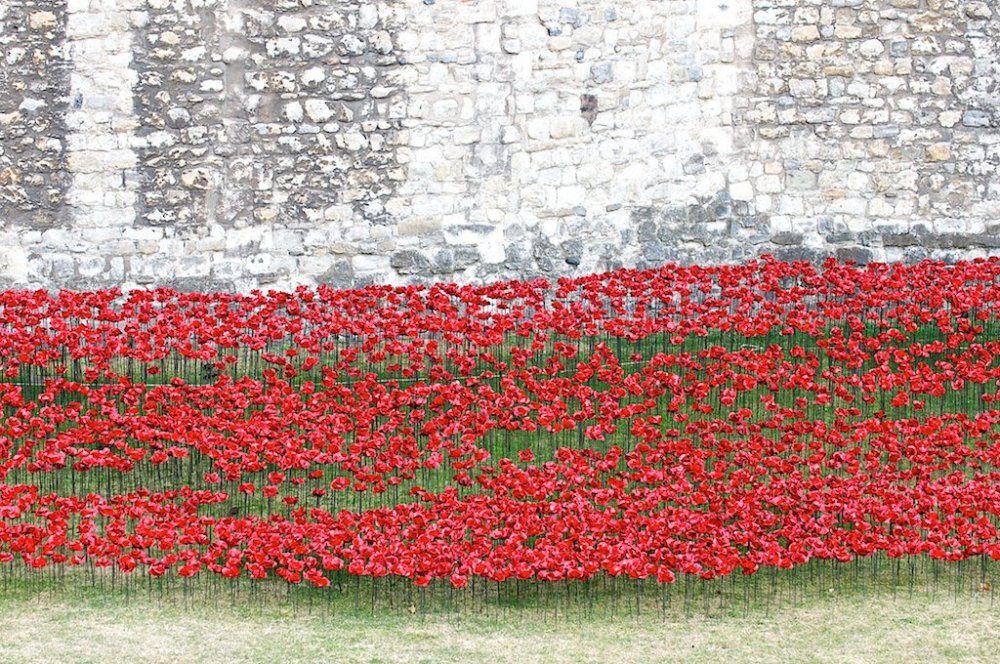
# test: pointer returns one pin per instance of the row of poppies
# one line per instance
(695, 420)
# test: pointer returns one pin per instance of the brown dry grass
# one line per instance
(852, 629)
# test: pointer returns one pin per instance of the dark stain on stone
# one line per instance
(588, 107)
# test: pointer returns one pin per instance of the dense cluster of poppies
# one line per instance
(682, 420)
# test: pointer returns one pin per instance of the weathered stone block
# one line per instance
(410, 262)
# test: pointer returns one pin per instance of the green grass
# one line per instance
(888, 619)
(845, 632)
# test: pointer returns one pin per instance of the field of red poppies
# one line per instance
(681, 422)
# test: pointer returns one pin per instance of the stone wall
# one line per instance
(280, 124)
(547, 138)
(236, 144)
(877, 125)
(34, 96)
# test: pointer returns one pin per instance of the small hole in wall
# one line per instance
(588, 107)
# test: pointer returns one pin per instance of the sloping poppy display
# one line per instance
(648, 423)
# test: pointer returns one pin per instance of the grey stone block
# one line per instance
(339, 275)
(857, 254)
(410, 262)
(900, 240)
(977, 119)
(787, 239)
(602, 73)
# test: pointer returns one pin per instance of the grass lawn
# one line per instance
(931, 622)
(841, 630)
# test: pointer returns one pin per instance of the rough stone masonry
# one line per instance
(239, 144)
